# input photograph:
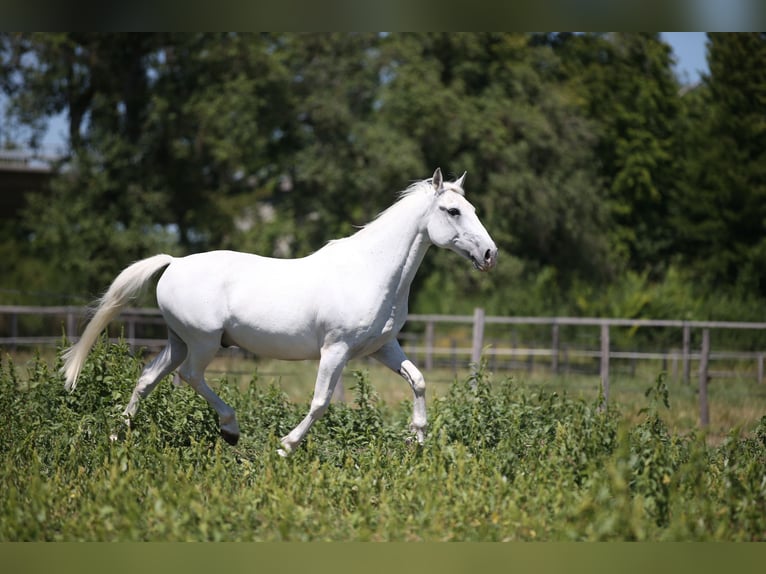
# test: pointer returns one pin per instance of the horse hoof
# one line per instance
(285, 451)
(417, 441)
(230, 437)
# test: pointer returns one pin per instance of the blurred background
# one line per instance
(621, 174)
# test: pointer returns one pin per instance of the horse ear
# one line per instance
(461, 179)
(437, 179)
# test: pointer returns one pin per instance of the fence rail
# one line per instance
(143, 327)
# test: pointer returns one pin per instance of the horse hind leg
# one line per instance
(169, 359)
(193, 372)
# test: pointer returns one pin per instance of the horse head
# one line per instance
(453, 224)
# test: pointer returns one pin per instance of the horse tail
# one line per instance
(126, 287)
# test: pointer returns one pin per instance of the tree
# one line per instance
(721, 212)
(278, 142)
(627, 87)
(583, 159)
(164, 129)
(98, 214)
(494, 105)
(344, 165)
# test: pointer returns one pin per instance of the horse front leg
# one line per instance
(392, 356)
(331, 364)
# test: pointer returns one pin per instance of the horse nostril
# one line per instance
(488, 255)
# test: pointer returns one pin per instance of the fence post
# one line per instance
(132, 331)
(339, 392)
(478, 336)
(685, 354)
(14, 329)
(555, 348)
(513, 361)
(71, 326)
(674, 366)
(704, 412)
(604, 365)
(429, 362)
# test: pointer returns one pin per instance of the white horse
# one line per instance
(347, 300)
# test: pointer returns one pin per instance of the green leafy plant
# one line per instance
(503, 461)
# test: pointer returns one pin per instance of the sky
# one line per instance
(688, 49)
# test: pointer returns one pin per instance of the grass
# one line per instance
(504, 460)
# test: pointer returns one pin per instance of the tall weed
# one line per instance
(502, 461)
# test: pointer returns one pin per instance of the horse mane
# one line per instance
(422, 186)
(415, 186)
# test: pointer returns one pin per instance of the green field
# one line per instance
(505, 459)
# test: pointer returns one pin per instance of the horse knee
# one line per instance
(318, 408)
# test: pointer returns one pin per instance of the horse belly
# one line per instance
(284, 343)
(274, 320)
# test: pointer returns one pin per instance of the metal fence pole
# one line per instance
(555, 348)
(604, 364)
(14, 329)
(704, 411)
(132, 332)
(685, 354)
(339, 392)
(429, 359)
(478, 336)
(71, 325)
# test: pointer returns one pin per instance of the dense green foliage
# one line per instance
(501, 462)
(721, 218)
(594, 169)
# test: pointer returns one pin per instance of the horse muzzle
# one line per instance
(488, 261)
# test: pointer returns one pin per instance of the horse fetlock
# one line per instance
(132, 407)
(287, 448)
(414, 377)
(419, 430)
(127, 417)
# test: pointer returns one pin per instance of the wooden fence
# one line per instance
(463, 340)
(671, 358)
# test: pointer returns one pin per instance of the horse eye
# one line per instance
(453, 211)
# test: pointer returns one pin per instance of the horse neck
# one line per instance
(397, 242)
